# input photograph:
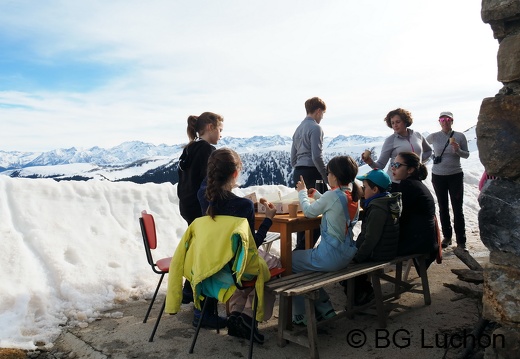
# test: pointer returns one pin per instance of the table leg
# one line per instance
(286, 251)
(309, 237)
(286, 259)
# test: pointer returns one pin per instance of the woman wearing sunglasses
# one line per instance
(417, 224)
(448, 178)
(403, 139)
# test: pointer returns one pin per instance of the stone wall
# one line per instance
(498, 139)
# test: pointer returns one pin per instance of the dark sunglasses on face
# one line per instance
(396, 165)
(445, 119)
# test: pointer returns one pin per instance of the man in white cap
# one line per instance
(448, 179)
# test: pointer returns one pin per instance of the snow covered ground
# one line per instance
(71, 250)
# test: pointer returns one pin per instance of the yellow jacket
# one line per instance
(202, 257)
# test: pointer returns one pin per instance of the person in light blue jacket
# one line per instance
(340, 209)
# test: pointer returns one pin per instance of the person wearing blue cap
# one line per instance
(379, 236)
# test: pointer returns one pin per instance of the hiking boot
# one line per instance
(211, 320)
(187, 297)
(233, 325)
(245, 324)
(363, 297)
(446, 242)
(187, 293)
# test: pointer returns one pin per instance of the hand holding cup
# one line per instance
(366, 156)
(454, 144)
(270, 209)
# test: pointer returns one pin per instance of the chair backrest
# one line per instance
(149, 235)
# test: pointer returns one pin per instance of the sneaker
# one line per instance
(462, 246)
(331, 313)
(212, 320)
(245, 323)
(299, 319)
(446, 242)
(324, 310)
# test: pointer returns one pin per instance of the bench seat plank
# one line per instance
(308, 283)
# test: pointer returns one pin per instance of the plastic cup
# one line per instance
(293, 210)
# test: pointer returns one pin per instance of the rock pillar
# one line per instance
(498, 140)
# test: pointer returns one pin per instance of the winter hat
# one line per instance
(446, 113)
(379, 177)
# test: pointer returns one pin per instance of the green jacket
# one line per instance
(203, 255)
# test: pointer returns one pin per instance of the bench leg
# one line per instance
(283, 319)
(350, 298)
(398, 277)
(312, 328)
(409, 264)
(424, 281)
(378, 294)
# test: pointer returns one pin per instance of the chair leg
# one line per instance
(253, 326)
(153, 298)
(157, 321)
(199, 325)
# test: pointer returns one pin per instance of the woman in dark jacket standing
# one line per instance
(417, 232)
(204, 131)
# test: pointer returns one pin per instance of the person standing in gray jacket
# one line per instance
(307, 153)
(448, 178)
(404, 139)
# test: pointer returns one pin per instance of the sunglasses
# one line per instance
(445, 119)
(396, 165)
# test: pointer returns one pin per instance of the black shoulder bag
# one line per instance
(438, 159)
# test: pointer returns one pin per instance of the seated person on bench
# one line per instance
(336, 249)
(379, 236)
(417, 225)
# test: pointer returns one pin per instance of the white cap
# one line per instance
(446, 113)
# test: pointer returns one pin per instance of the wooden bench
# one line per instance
(307, 285)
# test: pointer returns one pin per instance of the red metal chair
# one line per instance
(162, 266)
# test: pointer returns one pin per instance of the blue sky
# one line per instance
(98, 73)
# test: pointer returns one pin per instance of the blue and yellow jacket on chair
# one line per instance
(203, 255)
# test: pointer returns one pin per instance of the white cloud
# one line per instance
(254, 63)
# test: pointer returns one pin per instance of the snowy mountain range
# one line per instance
(266, 159)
